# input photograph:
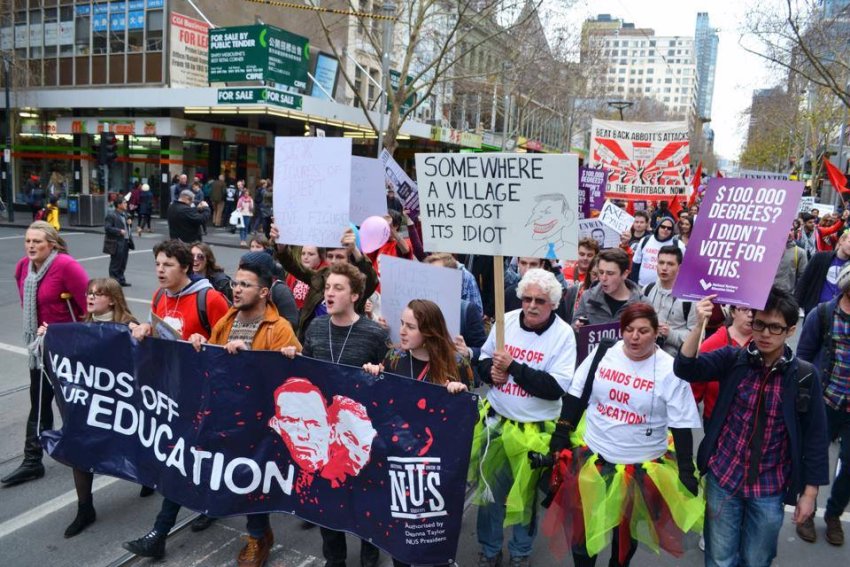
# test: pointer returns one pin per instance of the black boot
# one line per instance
(31, 468)
(151, 545)
(145, 491)
(85, 517)
(201, 523)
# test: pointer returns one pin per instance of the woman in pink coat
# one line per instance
(44, 273)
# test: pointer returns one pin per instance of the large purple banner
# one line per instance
(591, 191)
(737, 244)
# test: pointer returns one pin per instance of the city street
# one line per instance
(34, 515)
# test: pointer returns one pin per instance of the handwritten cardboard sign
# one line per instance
(500, 204)
(368, 195)
(615, 217)
(403, 280)
(311, 190)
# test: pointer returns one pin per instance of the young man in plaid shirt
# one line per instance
(766, 442)
(825, 342)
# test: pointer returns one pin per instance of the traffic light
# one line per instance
(109, 148)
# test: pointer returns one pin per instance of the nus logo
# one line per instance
(415, 487)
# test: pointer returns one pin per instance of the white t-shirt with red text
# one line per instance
(553, 351)
(630, 399)
(646, 255)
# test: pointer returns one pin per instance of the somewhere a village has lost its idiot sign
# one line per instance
(499, 204)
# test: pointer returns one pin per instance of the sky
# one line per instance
(738, 72)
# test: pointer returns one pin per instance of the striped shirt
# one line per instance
(837, 391)
(759, 391)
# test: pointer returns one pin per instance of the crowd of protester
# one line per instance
(621, 420)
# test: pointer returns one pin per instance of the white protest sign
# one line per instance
(403, 280)
(405, 188)
(824, 209)
(615, 217)
(603, 234)
(500, 204)
(311, 197)
(806, 204)
(368, 196)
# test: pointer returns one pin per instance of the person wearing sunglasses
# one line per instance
(766, 443)
(644, 268)
(528, 378)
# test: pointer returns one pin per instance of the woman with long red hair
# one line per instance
(426, 351)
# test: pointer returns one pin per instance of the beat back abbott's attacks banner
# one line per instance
(382, 457)
(738, 240)
(499, 204)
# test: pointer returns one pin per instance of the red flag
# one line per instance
(630, 207)
(838, 180)
(675, 207)
(719, 173)
(695, 183)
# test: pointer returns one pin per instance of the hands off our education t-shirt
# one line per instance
(628, 399)
(553, 351)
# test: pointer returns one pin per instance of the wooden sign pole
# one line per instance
(499, 285)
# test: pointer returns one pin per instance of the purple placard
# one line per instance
(737, 244)
(591, 191)
(588, 336)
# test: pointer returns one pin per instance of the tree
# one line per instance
(808, 38)
(441, 44)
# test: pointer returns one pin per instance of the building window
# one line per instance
(154, 30)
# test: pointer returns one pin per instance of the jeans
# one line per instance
(335, 550)
(491, 518)
(839, 426)
(167, 516)
(257, 525)
(243, 232)
(740, 531)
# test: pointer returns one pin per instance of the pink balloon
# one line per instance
(374, 233)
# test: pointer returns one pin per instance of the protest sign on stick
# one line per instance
(604, 235)
(368, 195)
(736, 246)
(311, 189)
(588, 336)
(591, 191)
(405, 188)
(499, 204)
(616, 218)
(403, 280)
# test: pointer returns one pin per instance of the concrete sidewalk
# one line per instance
(214, 236)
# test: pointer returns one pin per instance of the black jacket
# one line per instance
(112, 226)
(185, 222)
(807, 431)
(810, 284)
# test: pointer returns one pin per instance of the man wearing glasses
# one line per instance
(645, 270)
(528, 378)
(766, 442)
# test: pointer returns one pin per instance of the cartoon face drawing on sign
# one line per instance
(551, 222)
(351, 444)
(301, 420)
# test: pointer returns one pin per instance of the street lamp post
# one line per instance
(620, 105)
(388, 10)
(7, 170)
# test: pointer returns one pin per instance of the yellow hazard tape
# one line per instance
(279, 4)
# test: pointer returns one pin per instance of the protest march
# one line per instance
(599, 353)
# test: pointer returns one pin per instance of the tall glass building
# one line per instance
(706, 41)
